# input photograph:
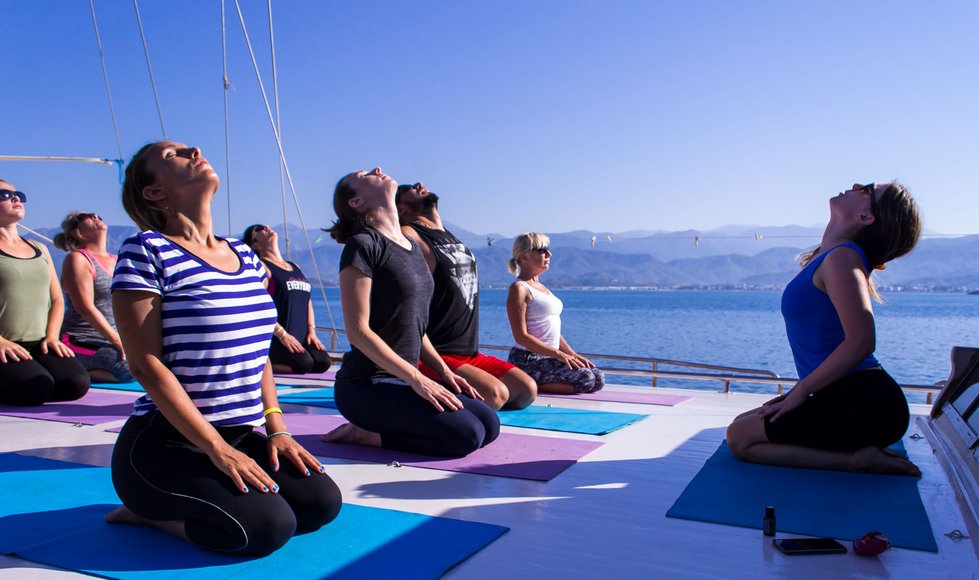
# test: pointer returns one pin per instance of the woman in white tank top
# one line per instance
(535, 320)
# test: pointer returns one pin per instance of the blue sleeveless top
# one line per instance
(811, 321)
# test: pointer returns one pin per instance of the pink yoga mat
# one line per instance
(94, 408)
(516, 456)
(327, 376)
(625, 397)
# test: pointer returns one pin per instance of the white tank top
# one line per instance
(543, 317)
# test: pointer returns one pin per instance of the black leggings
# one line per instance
(866, 408)
(159, 475)
(409, 423)
(311, 360)
(46, 378)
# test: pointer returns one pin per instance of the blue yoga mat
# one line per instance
(533, 417)
(53, 513)
(813, 502)
(568, 420)
(133, 386)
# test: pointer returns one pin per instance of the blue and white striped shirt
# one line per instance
(217, 325)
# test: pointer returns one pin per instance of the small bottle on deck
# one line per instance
(768, 524)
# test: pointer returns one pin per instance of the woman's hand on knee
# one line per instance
(242, 469)
(56, 347)
(573, 362)
(289, 341)
(435, 394)
(781, 405)
(12, 352)
(283, 445)
(459, 384)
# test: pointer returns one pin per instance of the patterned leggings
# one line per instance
(545, 369)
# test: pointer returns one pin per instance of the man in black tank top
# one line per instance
(453, 325)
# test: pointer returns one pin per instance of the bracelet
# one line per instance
(271, 410)
(279, 433)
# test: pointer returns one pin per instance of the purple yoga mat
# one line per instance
(94, 408)
(625, 397)
(327, 376)
(516, 456)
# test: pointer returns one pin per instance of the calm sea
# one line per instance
(915, 331)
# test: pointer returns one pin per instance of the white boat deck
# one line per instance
(602, 518)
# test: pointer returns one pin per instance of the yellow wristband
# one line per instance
(273, 410)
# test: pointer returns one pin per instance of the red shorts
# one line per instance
(489, 364)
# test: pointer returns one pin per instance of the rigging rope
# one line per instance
(29, 230)
(278, 126)
(227, 138)
(285, 166)
(112, 109)
(152, 80)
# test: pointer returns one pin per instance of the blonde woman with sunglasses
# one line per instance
(89, 328)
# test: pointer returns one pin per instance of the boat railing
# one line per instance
(702, 372)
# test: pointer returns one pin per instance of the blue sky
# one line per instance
(550, 116)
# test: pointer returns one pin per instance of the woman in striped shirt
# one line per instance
(196, 322)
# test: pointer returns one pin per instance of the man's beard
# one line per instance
(423, 205)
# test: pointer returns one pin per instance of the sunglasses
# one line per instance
(869, 188)
(542, 250)
(261, 229)
(6, 194)
(82, 217)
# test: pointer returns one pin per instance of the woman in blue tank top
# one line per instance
(845, 410)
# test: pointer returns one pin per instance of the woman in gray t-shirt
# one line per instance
(385, 289)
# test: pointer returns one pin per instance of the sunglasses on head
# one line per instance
(82, 217)
(6, 194)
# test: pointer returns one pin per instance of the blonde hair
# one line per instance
(64, 241)
(523, 244)
(894, 233)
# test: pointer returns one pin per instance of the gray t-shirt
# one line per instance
(401, 290)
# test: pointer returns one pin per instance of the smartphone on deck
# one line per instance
(804, 546)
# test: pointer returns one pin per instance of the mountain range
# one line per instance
(734, 257)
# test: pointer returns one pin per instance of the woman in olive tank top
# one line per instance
(35, 366)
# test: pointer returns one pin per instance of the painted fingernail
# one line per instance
(264, 488)
(275, 468)
(275, 488)
(244, 489)
(322, 469)
(307, 472)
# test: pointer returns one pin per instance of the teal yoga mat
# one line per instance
(133, 386)
(55, 516)
(813, 502)
(533, 417)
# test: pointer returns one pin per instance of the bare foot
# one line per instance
(122, 515)
(352, 434)
(877, 460)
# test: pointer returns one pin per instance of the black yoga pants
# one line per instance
(311, 360)
(159, 475)
(46, 378)
(862, 409)
(407, 422)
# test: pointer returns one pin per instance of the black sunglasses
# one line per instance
(6, 194)
(542, 250)
(82, 217)
(869, 188)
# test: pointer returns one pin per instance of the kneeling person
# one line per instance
(453, 325)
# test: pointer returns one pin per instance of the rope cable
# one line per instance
(112, 109)
(227, 137)
(285, 166)
(29, 230)
(150, 67)
(32, 158)
(278, 126)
